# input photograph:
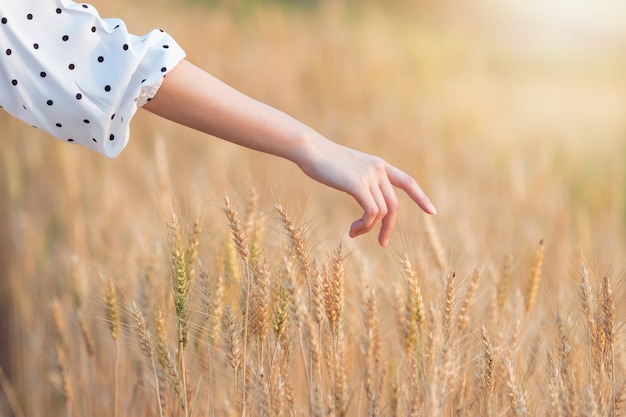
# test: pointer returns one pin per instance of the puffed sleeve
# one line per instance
(80, 77)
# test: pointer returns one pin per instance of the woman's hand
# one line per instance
(369, 179)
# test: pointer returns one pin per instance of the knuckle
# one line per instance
(393, 205)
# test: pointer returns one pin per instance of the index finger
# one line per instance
(407, 183)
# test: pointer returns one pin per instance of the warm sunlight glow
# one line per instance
(562, 27)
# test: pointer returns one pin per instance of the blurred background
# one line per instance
(510, 114)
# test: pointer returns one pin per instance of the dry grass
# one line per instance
(508, 302)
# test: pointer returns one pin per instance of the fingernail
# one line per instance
(432, 208)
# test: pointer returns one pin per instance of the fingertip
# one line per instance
(428, 207)
(355, 228)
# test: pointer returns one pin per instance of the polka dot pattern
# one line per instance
(75, 75)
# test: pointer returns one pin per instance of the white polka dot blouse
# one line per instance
(66, 70)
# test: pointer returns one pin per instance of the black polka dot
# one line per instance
(59, 125)
(59, 11)
(85, 6)
(71, 66)
(29, 16)
(113, 117)
(125, 47)
(36, 45)
(166, 46)
(112, 137)
(43, 74)
(4, 20)
(86, 121)
(163, 69)
(79, 96)
(94, 140)
(70, 140)
(116, 27)
(107, 88)
(100, 59)
(9, 52)
(143, 81)
(65, 38)
(14, 82)
(93, 29)
(49, 102)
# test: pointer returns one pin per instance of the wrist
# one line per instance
(307, 149)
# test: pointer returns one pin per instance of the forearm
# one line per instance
(192, 97)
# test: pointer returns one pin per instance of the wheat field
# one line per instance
(191, 277)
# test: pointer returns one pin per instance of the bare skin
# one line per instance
(194, 98)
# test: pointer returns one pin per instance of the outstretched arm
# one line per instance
(194, 98)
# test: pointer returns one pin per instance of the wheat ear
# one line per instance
(463, 317)
(298, 246)
(182, 289)
(113, 315)
(374, 371)
(504, 283)
(447, 310)
(535, 278)
(517, 398)
(232, 339)
(242, 244)
(435, 242)
(608, 325)
(333, 290)
(414, 309)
